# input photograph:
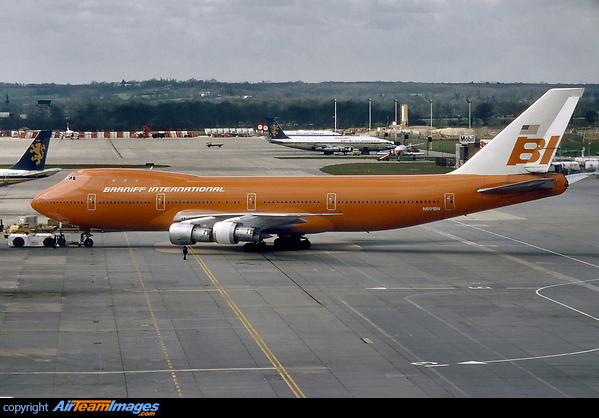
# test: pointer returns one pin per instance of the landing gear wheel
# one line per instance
(305, 244)
(85, 240)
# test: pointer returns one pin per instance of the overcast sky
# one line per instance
(80, 41)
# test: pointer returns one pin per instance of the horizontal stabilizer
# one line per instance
(573, 178)
(522, 187)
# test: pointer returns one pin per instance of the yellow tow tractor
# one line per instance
(28, 233)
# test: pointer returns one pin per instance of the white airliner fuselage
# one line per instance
(328, 143)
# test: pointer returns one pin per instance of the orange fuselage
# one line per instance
(128, 199)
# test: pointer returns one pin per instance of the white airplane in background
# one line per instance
(318, 132)
(402, 151)
(32, 163)
(69, 134)
(327, 143)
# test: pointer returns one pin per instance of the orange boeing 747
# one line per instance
(512, 168)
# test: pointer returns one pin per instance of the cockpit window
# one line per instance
(70, 178)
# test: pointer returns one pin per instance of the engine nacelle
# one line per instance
(227, 232)
(188, 234)
(224, 232)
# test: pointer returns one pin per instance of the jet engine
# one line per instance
(227, 232)
(224, 232)
(189, 234)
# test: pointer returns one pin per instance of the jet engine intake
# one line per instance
(227, 232)
(188, 234)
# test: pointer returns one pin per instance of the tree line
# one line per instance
(196, 105)
(306, 114)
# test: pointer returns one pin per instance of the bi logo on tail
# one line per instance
(533, 150)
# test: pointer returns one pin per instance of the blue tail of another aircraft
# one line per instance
(274, 130)
(35, 156)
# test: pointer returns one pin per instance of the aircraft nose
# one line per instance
(42, 202)
(36, 202)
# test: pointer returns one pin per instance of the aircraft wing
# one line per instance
(263, 220)
(33, 174)
(10, 177)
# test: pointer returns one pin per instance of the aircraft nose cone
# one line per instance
(36, 202)
(40, 203)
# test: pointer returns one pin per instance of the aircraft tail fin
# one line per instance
(35, 156)
(274, 129)
(528, 144)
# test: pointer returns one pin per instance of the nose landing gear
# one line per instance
(85, 239)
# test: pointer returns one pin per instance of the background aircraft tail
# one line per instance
(35, 156)
(528, 144)
(274, 130)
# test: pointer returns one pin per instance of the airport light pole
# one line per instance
(335, 115)
(430, 138)
(396, 121)
(369, 116)
(469, 113)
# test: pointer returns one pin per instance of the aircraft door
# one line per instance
(331, 201)
(160, 201)
(449, 201)
(251, 201)
(91, 202)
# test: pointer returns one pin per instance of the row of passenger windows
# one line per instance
(391, 201)
(354, 201)
(238, 202)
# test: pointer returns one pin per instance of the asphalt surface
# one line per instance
(498, 304)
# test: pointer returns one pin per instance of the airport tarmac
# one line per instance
(497, 304)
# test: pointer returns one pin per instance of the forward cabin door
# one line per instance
(91, 201)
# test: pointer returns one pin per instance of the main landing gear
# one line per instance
(292, 242)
